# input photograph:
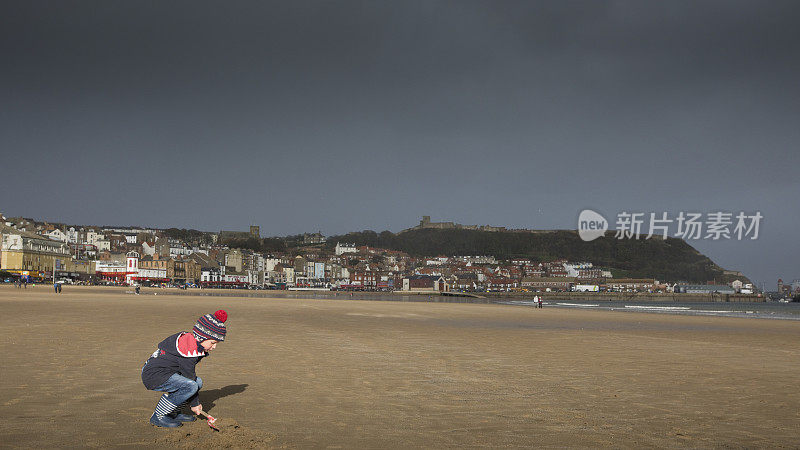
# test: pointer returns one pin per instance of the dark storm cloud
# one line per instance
(335, 116)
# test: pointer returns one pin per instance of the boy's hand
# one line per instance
(197, 409)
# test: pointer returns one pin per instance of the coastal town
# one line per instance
(34, 251)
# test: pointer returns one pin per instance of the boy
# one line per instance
(170, 369)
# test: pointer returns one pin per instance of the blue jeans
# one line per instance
(182, 389)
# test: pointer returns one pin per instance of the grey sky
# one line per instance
(341, 116)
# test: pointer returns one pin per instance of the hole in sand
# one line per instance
(198, 434)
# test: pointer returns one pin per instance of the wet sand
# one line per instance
(362, 374)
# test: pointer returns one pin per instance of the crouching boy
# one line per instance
(170, 369)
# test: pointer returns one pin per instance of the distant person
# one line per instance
(137, 290)
(59, 287)
(171, 369)
(55, 287)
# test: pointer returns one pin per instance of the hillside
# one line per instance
(666, 260)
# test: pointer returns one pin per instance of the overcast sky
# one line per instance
(342, 116)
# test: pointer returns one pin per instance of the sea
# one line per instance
(768, 310)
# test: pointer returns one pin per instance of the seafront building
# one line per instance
(29, 254)
(704, 289)
(548, 283)
(136, 269)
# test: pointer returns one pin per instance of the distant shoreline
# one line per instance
(488, 297)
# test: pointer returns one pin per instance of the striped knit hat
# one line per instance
(211, 326)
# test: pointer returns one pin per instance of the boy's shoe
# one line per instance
(165, 421)
(182, 417)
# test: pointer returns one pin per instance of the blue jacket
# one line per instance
(179, 354)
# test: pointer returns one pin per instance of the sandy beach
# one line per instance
(374, 374)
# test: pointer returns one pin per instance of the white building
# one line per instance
(237, 278)
(742, 287)
(73, 236)
(178, 250)
(132, 267)
(111, 270)
(109, 266)
(57, 235)
(288, 272)
(103, 244)
(255, 277)
(151, 274)
(92, 237)
(147, 249)
(345, 248)
(207, 276)
(270, 263)
(258, 263)
(572, 268)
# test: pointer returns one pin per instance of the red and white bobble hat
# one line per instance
(211, 326)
